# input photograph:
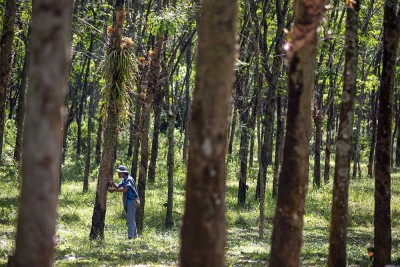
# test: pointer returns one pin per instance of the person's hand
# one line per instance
(111, 189)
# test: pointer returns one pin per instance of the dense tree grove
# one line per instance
(296, 94)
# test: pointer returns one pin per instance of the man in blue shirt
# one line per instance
(130, 195)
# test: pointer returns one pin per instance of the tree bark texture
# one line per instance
(50, 53)
(6, 50)
(20, 116)
(339, 214)
(203, 229)
(382, 230)
(288, 223)
(157, 107)
(169, 222)
(110, 132)
(147, 101)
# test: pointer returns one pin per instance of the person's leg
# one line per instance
(130, 218)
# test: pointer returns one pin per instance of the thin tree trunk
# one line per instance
(187, 100)
(338, 233)
(169, 222)
(373, 134)
(21, 103)
(147, 101)
(233, 130)
(203, 230)
(288, 223)
(382, 223)
(50, 50)
(157, 107)
(279, 144)
(6, 50)
(92, 110)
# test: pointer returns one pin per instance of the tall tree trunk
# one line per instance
(338, 233)
(50, 51)
(92, 110)
(169, 222)
(83, 99)
(203, 229)
(374, 100)
(232, 132)
(382, 230)
(147, 101)
(111, 128)
(279, 143)
(288, 223)
(6, 50)
(136, 137)
(157, 107)
(21, 103)
(398, 140)
(187, 100)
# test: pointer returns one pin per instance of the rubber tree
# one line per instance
(50, 48)
(203, 230)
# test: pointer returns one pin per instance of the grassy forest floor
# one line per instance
(158, 246)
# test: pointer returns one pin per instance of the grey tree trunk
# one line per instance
(339, 214)
(288, 222)
(50, 53)
(203, 229)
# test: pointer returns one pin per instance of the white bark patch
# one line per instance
(206, 147)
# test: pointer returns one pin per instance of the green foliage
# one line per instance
(119, 67)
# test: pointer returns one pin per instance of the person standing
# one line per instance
(130, 197)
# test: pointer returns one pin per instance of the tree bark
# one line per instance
(288, 223)
(110, 131)
(147, 100)
(203, 229)
(50, 53)
(382, 223)
(169, 222)
(20, 117)
(339, 214)
(6, 50)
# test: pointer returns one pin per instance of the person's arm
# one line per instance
(120, 189)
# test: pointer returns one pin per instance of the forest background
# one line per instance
(168, 30)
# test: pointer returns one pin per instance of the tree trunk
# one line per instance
(136, 137)
(203, 229)
(187, 100)
(338, 233)
(158, 101)
(382, 230)
(288, 223)
(92, 110)
(6, 50)
(147, 101)
(279, 144)
(169, 222)
(21, 103)
(83, 99)
(111, 129)
(233, 130)
(99, 140)
(398, 140)
(373, 134)
(50, 52)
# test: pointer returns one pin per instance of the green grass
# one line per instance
(159, 246)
